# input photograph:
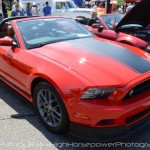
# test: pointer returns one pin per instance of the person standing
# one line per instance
(120, 10)
(130, 6)
(4, 9)
(28, 10)
(17, 11)
(13, 6)
(47, 9)
(34, 9)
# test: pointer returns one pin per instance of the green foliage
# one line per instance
(9, 12)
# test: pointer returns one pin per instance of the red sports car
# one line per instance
(132, 29)
(76, 81)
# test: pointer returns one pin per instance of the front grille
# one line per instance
(133, 118)
(140, 88)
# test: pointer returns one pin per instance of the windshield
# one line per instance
(71, 4)
(112, 20)
(39, 32)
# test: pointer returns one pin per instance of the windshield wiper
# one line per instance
(38, 45)
(55, 41)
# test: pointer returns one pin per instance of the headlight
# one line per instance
(95, 93)
(148, 49)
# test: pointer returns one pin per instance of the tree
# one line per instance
(9, 2)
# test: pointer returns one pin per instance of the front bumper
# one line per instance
(93, 134)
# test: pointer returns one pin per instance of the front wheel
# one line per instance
(50, 108)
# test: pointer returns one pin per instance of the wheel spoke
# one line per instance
(51, 98)
(55, 107)
(47, 94)
(54, 122)
(44, 114)
(48, 118)
(54, 116)
(42, 98)
(58, 114)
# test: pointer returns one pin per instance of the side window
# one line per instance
(58, 6)
(98, 21)
(61, 5)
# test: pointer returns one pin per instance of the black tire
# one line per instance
(50, 108)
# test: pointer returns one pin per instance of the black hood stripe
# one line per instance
(115, 51)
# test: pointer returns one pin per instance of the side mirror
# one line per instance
(101, 28)
(95, 25)
(98, 26)
(7, 42)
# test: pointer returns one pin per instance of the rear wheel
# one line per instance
(50, 108)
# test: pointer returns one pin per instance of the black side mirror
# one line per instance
(98, 26)
(100, 29)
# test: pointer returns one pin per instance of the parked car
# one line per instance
(131, 29)
(76, 81)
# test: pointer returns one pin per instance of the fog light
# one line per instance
(106, 122)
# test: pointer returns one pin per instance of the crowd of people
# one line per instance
(113, 7)
(30, 10)
(125, 8)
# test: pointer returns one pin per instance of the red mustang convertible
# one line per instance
(132, 29)
(95, 88)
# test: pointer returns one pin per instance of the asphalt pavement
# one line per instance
(20, 129)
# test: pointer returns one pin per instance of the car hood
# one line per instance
(102, 62)
(138, 15)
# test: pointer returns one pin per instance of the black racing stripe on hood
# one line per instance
(115, 51)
